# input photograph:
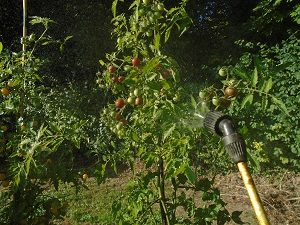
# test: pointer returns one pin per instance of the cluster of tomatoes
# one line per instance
(229, 93)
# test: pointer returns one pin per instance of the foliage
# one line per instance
(274, 136)
(33, 149)
(149, 119)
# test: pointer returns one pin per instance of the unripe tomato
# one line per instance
(11, 83)
(2, 176)
(137, 92)
(119, 126)
(130, 100)
(215, 101)
(127, 68)
(202, 94)
(136, 61)
(121, 79)
(160, 7)
(146, 2)
(138, 101)
(4, 128)
(222, 72)
(120, 103)
(118, 116)
(5, 91)
(230, 92)
(85, 176)
(111, 69)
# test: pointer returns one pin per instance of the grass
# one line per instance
(89, 205)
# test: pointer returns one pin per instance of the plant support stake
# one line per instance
(235, 146)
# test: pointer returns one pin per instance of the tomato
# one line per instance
(202, 94)
(4, 128)
(120, 103)
(130, 100)
(160, 7)
(111, 69)
(2, 176)
(11, 83)
(215, 101)
(5, 91)
(121, 79)
(138, 101)
(136, 61)
(114, 79)
(118, 116)
(127, 68)
(124, 122)
(166, 74)
(137, 92)
(85, 176)
(222, 72)
(119, 126)
(230, 92)
(149, 33)
(5, 183)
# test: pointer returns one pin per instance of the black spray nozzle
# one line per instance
(222, 125)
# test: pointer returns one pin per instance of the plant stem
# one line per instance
(24, 29)
(161, 185)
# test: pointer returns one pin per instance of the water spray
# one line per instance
(235, 146)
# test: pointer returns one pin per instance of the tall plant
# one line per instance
(148, 117)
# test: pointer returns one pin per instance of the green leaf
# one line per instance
(194, 103)
(114, 7)
(190, 175)
(280, 104)
(1, 46)
(247, 99)
(167, 34)
(254, 77)
(102, 63)
(269, 85)
(157, 41)
(169, 132)
(68, 38)
(241, 74)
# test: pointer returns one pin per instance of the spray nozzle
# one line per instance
(222, 125)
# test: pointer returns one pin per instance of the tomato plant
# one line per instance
(155, 131)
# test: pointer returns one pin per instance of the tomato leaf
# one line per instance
(247, 99)
(269, 85)
(167, 34)
(280, 104)
(194, 103)
(254, 77)
(169, 132)
(114, 7)
(1, 46)
(190, 175)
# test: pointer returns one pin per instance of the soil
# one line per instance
(280, 197)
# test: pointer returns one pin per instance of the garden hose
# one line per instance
(235, 146)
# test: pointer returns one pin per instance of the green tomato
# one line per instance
(137, 92)
(202, 94)
(215, 101)
(160, 7)
(127, 68)
(222, 72)
(119, 126)
(130, 100)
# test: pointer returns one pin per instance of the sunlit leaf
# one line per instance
(280, 104)
(247, 99)
(254, 77)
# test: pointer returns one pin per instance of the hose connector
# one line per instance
(234, 143)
